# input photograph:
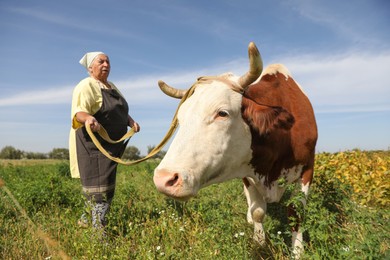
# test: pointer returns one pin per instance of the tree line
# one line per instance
(10, 152)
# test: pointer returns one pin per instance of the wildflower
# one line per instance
(346, 249)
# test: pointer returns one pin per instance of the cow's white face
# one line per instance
(212, 143)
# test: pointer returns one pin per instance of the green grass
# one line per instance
(144, 224)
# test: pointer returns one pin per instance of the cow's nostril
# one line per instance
(173, 180)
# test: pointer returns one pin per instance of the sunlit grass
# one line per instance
(28, 162)
(144, 224)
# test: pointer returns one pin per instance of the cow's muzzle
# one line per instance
(172, 185)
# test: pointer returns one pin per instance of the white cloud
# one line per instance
(357, 26)
(61, 20)
(58, 95)
(355, 81)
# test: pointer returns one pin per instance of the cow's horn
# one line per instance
(170, 91)
(255, 67)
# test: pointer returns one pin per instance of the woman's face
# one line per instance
(100, 67)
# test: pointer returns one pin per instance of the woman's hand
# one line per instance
(86, 118)
(136, 127)
(133, 124)
(93, 123)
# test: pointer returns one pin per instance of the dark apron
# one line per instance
(97, 172)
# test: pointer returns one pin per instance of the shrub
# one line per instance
(367, 173)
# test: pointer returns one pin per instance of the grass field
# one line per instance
(347, 216)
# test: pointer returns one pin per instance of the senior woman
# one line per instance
(97, 102)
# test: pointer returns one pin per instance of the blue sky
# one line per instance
(338, 51)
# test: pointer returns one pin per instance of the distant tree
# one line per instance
(59, 153)
(32, 155)
(159, 155)
(10, 152)
(131, 153)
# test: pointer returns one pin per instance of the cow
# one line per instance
(259, 127)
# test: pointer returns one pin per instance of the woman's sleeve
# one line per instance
(84, 100)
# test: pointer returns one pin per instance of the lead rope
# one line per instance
(103, 133)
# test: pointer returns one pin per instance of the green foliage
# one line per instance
(59, 153)
(159, 155)
(131, 153)
(367, 173)
(35, 156)
(144, 224)
(41, 186)
(341, 228)
(10, 152)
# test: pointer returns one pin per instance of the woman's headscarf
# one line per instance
(88, 58)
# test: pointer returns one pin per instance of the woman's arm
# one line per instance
(87, 119)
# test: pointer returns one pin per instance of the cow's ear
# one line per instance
(266, 119)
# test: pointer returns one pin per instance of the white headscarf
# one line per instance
(88, 58)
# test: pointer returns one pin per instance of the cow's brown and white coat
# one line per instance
(262, 132)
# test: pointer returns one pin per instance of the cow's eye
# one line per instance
(223, 113)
